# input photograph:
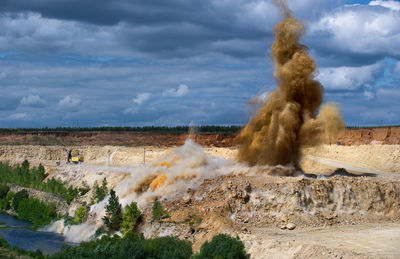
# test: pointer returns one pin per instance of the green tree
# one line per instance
(99, 192)
(80, 214)
(3, 190)
(9, 198)
(130, 246)
(25, 166)
(130, 217)
(222, 246)
(19, 196)
(113, 216)
(35, 211)
(157, 211)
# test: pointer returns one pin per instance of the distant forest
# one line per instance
(147, 129)
(151, 129)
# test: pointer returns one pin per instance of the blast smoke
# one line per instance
(287, 120)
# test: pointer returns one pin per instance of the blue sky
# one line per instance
(149, 62)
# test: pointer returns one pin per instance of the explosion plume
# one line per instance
(288, 118)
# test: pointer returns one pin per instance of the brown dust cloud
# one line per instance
(288, 119)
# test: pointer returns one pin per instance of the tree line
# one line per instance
(145, 129)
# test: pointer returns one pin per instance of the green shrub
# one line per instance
(157, 210)
(71, 194)
(113, 216)
(10, 198)
(99, 192)
(3, 190)
(84, 189)
(222, 246)
(130, 217)
(25, 166)
(131, 246)
(19, 196)
(68, 220)
(163, 247)
(80, 213)
(4, 204)
(36, 212)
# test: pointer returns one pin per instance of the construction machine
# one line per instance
(76, 159)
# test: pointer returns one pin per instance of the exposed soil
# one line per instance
(366, 136)
(360, 136)
(276, 217)
(129, 139)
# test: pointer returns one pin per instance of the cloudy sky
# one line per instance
(176, 62)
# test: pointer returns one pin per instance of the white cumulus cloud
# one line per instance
(359, 29)
(182, 90)
(32, 100)
(349, 78)
(18, 116)
(141, 98)
(394, 5)
(69, 102)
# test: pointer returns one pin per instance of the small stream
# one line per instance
(17, 233)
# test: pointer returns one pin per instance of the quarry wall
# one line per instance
(359, 136)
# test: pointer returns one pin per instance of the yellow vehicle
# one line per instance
(77, 159)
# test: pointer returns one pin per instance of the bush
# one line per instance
(25, 166)
(80, 213)
(131, 246)
(3, 190)
(157, 211)
(9, 198)
(84, 189)
(164, 247)
(71, 194)
(130, 217)
(99, 192)
(33, 210)
(222, 246)
(4, 204)
(19, 196)
(113, 216)
(68, 220)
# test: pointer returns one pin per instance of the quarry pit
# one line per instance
(207, 192)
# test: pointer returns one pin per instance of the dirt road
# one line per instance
(360, 241)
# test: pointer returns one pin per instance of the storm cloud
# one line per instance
(175, 62)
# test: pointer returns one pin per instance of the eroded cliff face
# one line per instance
(365, 136)
(241, 205)
(129, 139)
(361, 136)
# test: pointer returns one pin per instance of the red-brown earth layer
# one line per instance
(360, 136)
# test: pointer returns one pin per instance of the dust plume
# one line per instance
(288, 118)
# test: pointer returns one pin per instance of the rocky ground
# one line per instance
(276, 217)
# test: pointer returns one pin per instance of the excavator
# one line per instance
(76, 159)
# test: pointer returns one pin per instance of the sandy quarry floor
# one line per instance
(361, 240)
(358, 241)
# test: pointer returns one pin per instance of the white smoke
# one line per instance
(167, 178)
